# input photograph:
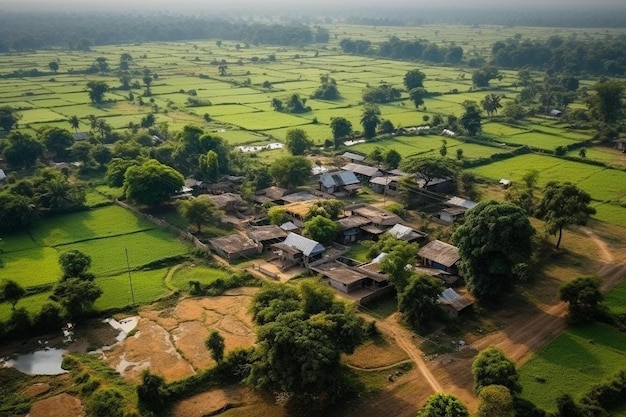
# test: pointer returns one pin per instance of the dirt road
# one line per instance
(452, 373)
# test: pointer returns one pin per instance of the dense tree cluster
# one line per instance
(397, 48)
(302, 332)
(572, 55)
(47, 192)
(383, 93)
(495, 245)
(27, 31)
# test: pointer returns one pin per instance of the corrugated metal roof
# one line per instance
(440, 252)
(361, 169)
(339, 178)
(353, 156)
(454, 299)
(307, 246)
(461, 202)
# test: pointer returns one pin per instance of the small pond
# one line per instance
(47, 361)
(41, 362)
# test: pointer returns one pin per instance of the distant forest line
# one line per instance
(20, 31)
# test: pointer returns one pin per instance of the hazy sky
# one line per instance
(294, 5)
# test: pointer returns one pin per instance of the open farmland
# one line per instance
(582, 356)
(105, 234)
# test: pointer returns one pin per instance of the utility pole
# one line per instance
(130, 279)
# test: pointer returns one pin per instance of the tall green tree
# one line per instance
(75, 264)
(18, 212)
(74, 122)
(583, 297)
(54, 66)
(11, 291)
(321, 229)
(116, 170)
(428, 168)
(495, 243)
(209, 165)
(419, 302)
(8, 118)
(341, 128)
(492, 367)
(470, 119)
(491, 103)
(215, 343)
(443, 405)
(562, 205)
(398, 263)
(606, 104)
(298, 142)
(76, 295)
(97, 90)
(495, 401)
(300, 342)
(22, 150)
(198, 211)
(370, 119)
(413, 79)
(151, 182)
(392, 159)
(291, 171)
(417, 96)
(57, 140)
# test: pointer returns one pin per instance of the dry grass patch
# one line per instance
(376, 354)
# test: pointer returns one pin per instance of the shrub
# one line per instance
(106, 403)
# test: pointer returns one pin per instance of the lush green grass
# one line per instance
(358, 252)
(31, 267)
(147, 286)
(109, 257)
(31, 303)
(15, 242)
(615, 299)
(575, 361)
(611, 213)
(90, 224)
(201, 273)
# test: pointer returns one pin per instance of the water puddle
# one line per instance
(47, 361)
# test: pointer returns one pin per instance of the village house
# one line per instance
(388, 184)
(350, 228)
(620, 144)
(266, 235)
(406, 233)
(440, 255)
(453, 303)
(363, 172)
(353, 157)
(340, 183)
(234, 246)
(228, 202)
(457, 207)
(297, 249)
(380, 220)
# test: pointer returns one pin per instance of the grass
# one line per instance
(108, 254)
(582, 356)
(615, 299)
(90, 224)
(358, 251)
(31, 303)
(31, 267)
(203, 274)
(147, 286)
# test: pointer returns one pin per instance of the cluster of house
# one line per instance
(287, 248)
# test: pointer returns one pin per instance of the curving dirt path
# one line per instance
(405, 340)
(452, 373)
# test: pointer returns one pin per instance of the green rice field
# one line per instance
(200, 273)
(582, 356)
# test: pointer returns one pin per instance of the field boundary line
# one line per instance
(101, 237)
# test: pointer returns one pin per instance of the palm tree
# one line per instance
(74, 122)
(370, 119)
(57, 195)
(491, 103)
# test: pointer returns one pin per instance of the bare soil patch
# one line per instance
(62, 405)
(376, 354)
(213, 402)
(170, 342)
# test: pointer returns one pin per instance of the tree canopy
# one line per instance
(443, 405)
(562, 205)
(298, 141)
(495, 401)
(198, 211)
(22, 150)
(8, 118)
(419, 302)
(495, 243)
(97, 90)
(291, 171)
(301, 335)
(151, 182)
(492, 367)
(583, 297)
(370, 119)
(429, 168)
(11, 291)
(215, 343)
(341, 128)
(413, 79)
(76, 295)
(321, 229)
(75, 264)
